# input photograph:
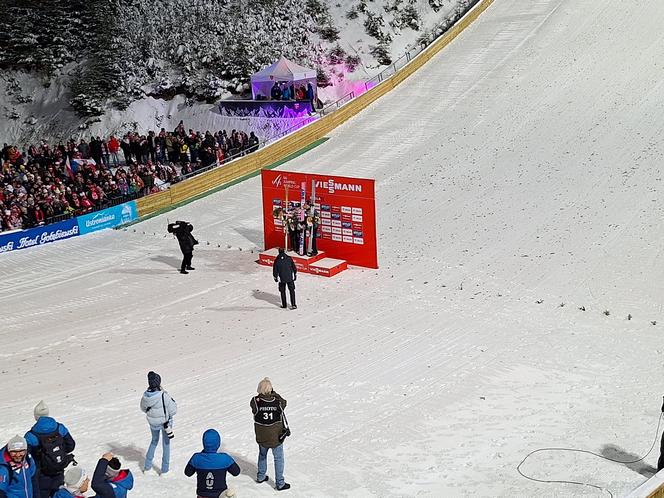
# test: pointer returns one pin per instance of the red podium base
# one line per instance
(316, 265)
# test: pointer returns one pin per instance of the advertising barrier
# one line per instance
(346, 208)
(108, 218)
(38, 236)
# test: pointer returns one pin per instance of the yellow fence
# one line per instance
(302, 138)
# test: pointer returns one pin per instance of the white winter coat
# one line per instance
(153, 407)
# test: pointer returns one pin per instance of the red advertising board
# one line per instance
(346, 206)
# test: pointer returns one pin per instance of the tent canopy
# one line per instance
(281, 71)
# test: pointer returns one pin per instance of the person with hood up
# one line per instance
(110, 480)
(76, 484)
(159, 408)
(51, 445)
(211, 467)
(268, 408)
(17, 470)
(285, 272)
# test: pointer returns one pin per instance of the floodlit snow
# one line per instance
(518, 179)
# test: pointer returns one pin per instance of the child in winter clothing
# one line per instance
(76, 484)
(211, 468)
(109, 480)
(159, 408)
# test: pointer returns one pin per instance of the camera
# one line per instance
(169, 431)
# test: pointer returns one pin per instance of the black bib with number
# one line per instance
(268, 411)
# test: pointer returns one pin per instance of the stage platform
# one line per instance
(319, 264)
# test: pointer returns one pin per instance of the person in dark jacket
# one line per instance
(17, 470)
(285, 272)
(182, 231)
(211, 467)
(51, 445)
(109, 479)
(268, 408)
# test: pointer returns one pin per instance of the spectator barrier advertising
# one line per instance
(88, 223)
(108, 218)
(38, 236)
(346, 207)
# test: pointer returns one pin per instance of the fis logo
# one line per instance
(277, 182)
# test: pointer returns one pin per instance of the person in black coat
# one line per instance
(182, 231)
(285, 272)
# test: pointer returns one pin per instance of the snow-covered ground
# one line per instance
(518, 178)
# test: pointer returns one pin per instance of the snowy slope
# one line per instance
(518, 176)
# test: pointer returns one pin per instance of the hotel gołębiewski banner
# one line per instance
(346, 207)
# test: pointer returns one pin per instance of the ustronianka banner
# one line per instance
(38, 236)
(347, 209)
(108, 218)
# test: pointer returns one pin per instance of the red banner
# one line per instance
(346, 208)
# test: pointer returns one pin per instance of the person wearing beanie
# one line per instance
(51, 445)
(159, 408)
(41, 410)
(268, 408)
(211, 467)
(17, 470)
(110, 480)
(76, 484)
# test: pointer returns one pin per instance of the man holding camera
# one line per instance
(182, 231)
(271, 431)
(159, 408)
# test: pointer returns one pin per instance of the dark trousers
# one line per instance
(660, 462)
(186, 260)
(48, 485)
(291, 291)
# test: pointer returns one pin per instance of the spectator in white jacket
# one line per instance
(159, 408)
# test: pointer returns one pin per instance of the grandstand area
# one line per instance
(518, 304)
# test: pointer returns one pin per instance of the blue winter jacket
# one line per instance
(63, 493)
(211, 467)
(16, 483)
(111, 488)
(47, 425)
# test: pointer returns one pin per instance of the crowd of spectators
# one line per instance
(284, 91)
(46, 183)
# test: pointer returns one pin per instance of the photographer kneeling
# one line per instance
(182, 231)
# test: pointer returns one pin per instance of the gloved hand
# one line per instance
(294, 278)
(276, 280)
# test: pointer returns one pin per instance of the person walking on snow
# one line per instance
(285, 272)
(211, 468)
(17, 470)
(51, 446)
(109, 479)
(268, 408)
(159, 408)
(76, 484)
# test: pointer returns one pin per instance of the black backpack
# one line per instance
(52, 457)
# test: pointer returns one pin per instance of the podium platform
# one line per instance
(319, 264)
